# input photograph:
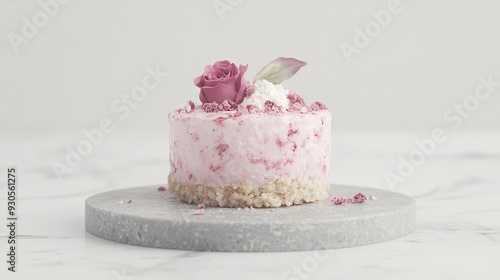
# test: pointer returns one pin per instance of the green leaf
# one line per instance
(280, 69)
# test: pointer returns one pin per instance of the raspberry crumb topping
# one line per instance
(210, 107)
(359, 198)
(356, 199)
(297, 103)
(162, 189)
(125, 201)
(200, 212)
(295, 98)
(249, 90)
(318, 106)
(252, 108)
(191, 104)
(213, 107)
(271, 108)
(235, 114)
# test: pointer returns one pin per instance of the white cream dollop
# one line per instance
(265, 91)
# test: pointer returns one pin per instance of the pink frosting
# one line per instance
(233, 146)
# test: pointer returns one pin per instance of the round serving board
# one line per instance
(148, 217)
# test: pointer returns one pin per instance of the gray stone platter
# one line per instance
(156, 219)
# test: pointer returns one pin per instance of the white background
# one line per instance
(427, 58)
(391, 94)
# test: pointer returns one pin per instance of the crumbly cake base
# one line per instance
(276, 193)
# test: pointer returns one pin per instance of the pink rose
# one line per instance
(222, 81)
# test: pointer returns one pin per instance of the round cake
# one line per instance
(266, 149)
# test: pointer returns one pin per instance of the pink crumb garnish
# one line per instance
(224, 106)
(337, 200)
(249, 90)
(227, 105)
(191, 104)
(357, 198)
(200, 212)
(252, 108)
(124, 201)
(271, 108)
(318, 106)
(297, 103)
(295, 98)
(210, 107)
(236, 114)
(162, 189)
(201, 206)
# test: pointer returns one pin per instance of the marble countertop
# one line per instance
(456, 186)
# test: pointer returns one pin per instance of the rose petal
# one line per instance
(202, 97)
(241, 84)
(198, 81)
(241, 80)
(221, 63)
(216, 74)
(207, 68)
(218, 93)
(229, 80)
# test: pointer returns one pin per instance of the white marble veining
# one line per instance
(457, 190)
